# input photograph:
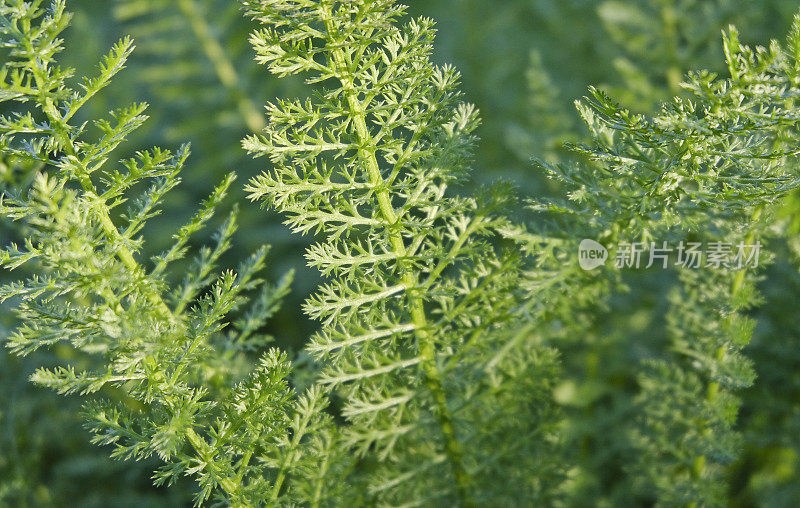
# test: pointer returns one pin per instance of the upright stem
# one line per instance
(61, 131)
(231, 488)
(712, 392)
(222, 66)
(669, 19)
(433, 377)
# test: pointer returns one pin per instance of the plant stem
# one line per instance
(433, 377)
(669, 21)
(712, 392)
(61, 130)
(222, 66)
(229, 486)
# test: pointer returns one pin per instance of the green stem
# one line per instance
(669, 20)
(230, 487)
(323, 469)
(61, 131)
(222, 66)
(288, 459)
(712, 392)
(433, 377)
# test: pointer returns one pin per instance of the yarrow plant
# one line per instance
(711, 168)
(421, 308)
(183, 387)
(442, 371)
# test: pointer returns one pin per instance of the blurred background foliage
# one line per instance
(523, 62)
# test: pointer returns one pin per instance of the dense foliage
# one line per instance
(454, 349)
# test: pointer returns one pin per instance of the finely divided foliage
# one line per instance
(193, 57)
(421, 302)
(711, 167)
(439, 316)
(177, 376)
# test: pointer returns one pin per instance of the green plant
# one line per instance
(194, 61)
(420, 297)
(460, 351)
(180, 382)
(709, 168)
